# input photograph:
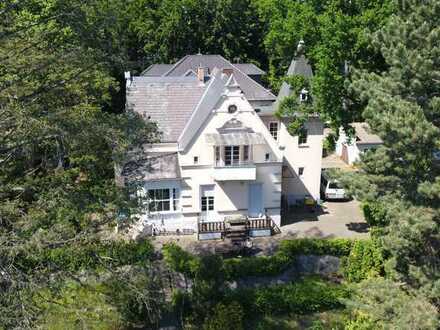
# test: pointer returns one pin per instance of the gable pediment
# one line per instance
(233, 125)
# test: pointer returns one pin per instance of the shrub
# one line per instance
(225, 317)
(374, 214)
(335, 247)
(178, 259)
(364, 261)
(307, 296)
(256, 266)
(90, 256)
(76, 304)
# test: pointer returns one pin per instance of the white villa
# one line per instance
(223, 155)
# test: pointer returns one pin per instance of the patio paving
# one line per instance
(341, 219)
(334, 220)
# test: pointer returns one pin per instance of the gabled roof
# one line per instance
(250, 69)
(168, 101)
(251, 89)
(213, 92)
(364, 134)
(156, 70)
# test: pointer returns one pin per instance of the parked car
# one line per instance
(331, 189)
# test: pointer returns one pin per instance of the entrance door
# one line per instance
(255, 208)
(207, 203)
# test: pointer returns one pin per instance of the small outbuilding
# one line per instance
(349, 148)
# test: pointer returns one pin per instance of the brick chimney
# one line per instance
(201, 74)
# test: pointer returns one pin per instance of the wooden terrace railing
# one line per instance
(211, 227)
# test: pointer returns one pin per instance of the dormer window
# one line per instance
(304, 95)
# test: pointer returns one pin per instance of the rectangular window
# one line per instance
(232, 155)
(267, 157)
(162, 200)
(208, 203)
(273, 129)
(196, 160)
(301, 171)
(302, 136)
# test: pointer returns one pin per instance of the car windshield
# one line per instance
(334, 185)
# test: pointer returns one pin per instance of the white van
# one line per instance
(331, 189)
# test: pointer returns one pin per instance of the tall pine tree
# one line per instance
(401, 180)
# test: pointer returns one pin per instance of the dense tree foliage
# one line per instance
(62, 128)
(335, 36)
(171, 29)
(57, 147)
(399, 182)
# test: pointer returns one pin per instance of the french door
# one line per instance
(232, 155)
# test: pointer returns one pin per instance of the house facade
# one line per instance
(223, 154)
(350, 148)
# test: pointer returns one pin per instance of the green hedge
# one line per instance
(256, 266)
(91, 256)
(183, 262)
(307, 296)
(285, 256)
(336, 247)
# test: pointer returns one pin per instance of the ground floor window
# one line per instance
(162, 200)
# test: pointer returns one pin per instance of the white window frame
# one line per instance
(234, 154)
(305, 136)
(273, 132)
(209, 203)
(173, 200)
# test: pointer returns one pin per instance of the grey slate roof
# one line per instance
(168, 101)
(251, 89)
(143, 167)
(156, 70)
(299, 66)
(364, 134)
(249, 69)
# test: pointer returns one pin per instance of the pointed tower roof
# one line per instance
(298, 67)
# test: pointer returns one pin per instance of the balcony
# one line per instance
(236, 171)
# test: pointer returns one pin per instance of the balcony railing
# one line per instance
(237, 163)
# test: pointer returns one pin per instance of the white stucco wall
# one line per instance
(308, 155)
(231, 197)
(354, 150)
